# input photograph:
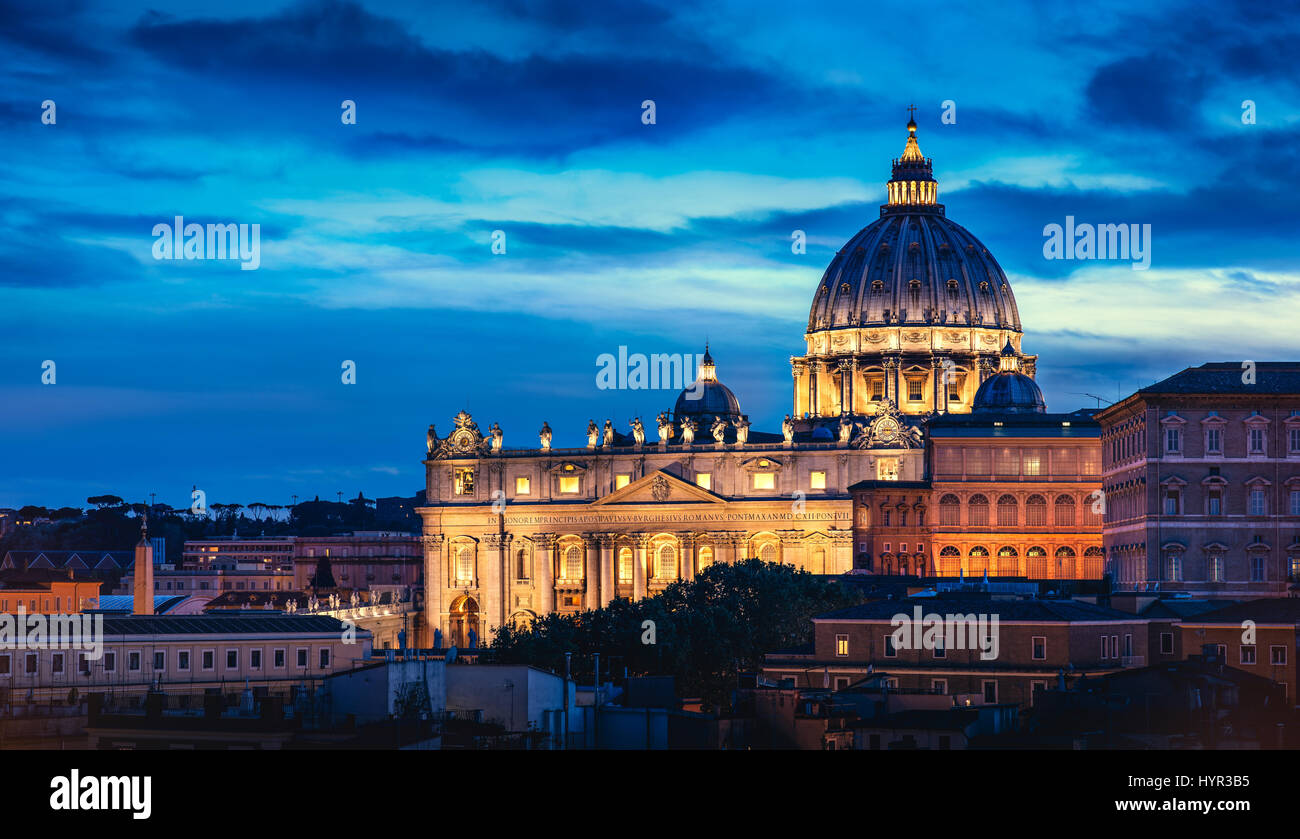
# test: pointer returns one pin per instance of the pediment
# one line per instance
(660, 487)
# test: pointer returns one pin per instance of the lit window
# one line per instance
(841, 645)
(573, 564)
(621, 481)
(464, 481)
(764, 480)
(704, 479)
(817, 480)
(915, 389)
(523, 486)
(625, 565)
(568, 484)
(1216, 569)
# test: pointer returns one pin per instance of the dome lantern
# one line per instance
(912, 185)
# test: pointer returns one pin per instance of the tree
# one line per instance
(324, 576)
(104, 502)
(706, 630)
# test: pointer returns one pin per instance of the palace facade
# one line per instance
(912, 320)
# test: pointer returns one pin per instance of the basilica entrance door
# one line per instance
(462, 621)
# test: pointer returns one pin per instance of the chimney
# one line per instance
(144, 571)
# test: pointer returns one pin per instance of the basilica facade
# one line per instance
(910, 321)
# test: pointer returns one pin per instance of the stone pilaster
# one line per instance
(639, 566)
(435, 585)
(544, 571)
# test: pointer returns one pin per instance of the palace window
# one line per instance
(706, 556)
(841, 645)
(817, 480)
(569, 484)
(1293, 436)
(704, 479)
(767, 553)
(764, 480)
(877, 389)
(950, 511)
(978, 511)
(1173, 441)
(621, 481)
(916, 389)
(1247, 653)
(1065, 511)
(1256, 440)
(1175, 565)
(464, 480)
(1008, 511)
(1214, 441)
(1214, 502)
(1258, 572)
(1036, 511)
(1171, 502)
(1039, 643)
(1258, 505)
(1216, 568)
(1295, 502)
(521, 564)
(523, 486)
(625, 565)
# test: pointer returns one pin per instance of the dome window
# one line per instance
(844, 288)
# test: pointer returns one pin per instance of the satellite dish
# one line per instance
(451, 655)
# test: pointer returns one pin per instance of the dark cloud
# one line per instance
(1158, 91)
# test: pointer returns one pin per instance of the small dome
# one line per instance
(1009, 391)
(821, 432)
(707, 398)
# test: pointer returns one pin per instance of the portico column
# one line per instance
(688, 555)
(606, 567)
(639, 567)
(592, 575)
(544, 560)
(434, 585)
(940, 385)
(490, 583)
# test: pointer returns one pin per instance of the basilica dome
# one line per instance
(911, 312)
(913, 265)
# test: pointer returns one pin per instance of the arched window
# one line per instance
(464, 565)
(706, 556)
(949, 550)
(979, 511)
(1065, 563)
(818, 561)
(1064, 511)
(950, 511)
(1007, 550)
(625, 565)
(767, 553)
(1008, 511)
(573, 564)
(1037, 565)
(1094, 563)
(666, 563)
(1036, 511)
(1008, 563)
(979, 551)
(949, 564)
(521, 564)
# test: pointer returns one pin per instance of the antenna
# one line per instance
(1099, 399)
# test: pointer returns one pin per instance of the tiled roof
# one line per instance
(1226, 377)
(229, 625)
(1030, 611)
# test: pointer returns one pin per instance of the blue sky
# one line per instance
(525, 116)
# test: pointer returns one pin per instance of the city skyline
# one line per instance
(528, 119)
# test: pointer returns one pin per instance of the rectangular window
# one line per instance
(1214, 507)
(1105, 647)
(704, 479)
(464, 480)
(1214, 441)
(1216, 569)
(1039, 648)
(324, 657)
(1171, 502)
(841, 645)
(817, 480)
(1256, 441)
(1032, 462)
(159, 661)
(209, 659)
(1293, 436)
(979, 461)
(939, 686)
(569, 484)
(31, 663)
(110, 662)
(183, 660)
(6, 665)
(302, 656)
(1257, 573)
(990, 690)
(764, 480)
(1247, 653)
(133, 661)
(915, 389)
(877, 390)
(939, 650)
(523, 485)
(255, 659)
(232, 659)
(277, 659)
(1258, 505)
(1295, 502)
(56, 663)
(1277, 656)
(1173, 441)
(1128, 645)
(890, 651)
(621, 481)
